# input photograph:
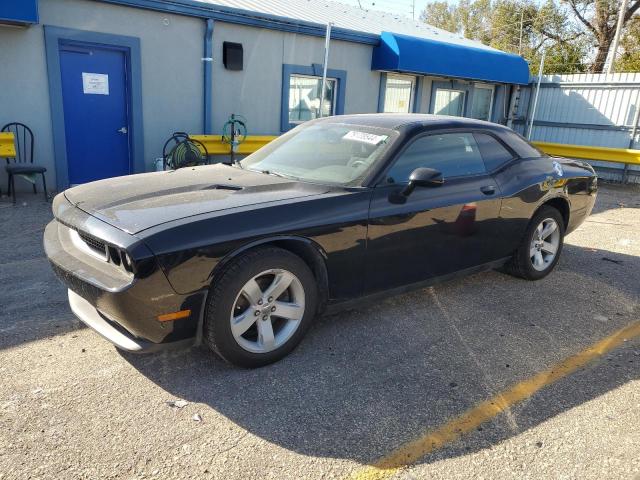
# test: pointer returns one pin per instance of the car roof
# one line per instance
(397, 121)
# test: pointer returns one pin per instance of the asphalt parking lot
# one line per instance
(364, 384)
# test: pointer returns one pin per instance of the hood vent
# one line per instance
(233, 188)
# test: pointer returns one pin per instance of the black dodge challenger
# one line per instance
(244, 256)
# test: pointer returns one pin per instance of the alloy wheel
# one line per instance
(544, 244)
(267, 311)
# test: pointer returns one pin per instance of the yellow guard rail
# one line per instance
(215, 146)
(7, 145)
(602, 154)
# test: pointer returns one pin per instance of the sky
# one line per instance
(404, 7)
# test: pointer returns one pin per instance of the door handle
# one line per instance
(123, 130)
(488, 189)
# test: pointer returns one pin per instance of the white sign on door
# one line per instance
(95, 83)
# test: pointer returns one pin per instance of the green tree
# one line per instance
(628, 60)
(600, 17)
(519, 26)
(442, 15)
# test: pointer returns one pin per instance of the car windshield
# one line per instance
(331, 153)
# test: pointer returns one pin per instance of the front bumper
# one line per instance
(122, 308)
(112, 331)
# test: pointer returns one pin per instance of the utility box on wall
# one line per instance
(18, 12)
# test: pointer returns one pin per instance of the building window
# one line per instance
(304, 98)
(399, 93)
(482, 102)
(301, 90)
(449, 102)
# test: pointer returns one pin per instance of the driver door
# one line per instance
(434, 231)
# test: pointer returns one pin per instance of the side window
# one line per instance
(453, 154)
(493, 152)
(521, 146)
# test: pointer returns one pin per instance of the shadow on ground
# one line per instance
(370, 379)
(33, 302)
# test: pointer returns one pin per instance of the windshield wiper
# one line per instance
(276, 174)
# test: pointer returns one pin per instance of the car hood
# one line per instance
(136, 202)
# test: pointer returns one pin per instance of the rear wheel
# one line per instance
(260, 307)
(540, 249)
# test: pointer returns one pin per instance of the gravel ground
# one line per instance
(361, 383)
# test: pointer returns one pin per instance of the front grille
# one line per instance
(94, 244)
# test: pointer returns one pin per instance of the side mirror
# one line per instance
(423, 177)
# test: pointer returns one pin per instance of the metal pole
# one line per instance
(535, 101)
(632, 140)
(521, 27)
(636, 118)
(327, 40)
(616, 38)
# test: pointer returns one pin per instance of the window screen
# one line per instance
(493, 152)
(398, 94)
(453, 154)
(304, 98)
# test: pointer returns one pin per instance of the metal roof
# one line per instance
(345, 17)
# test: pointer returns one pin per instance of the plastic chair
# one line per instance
(23, 162)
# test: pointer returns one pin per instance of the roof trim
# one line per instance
(402, 53)
(245, 17)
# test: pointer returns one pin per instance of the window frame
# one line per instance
(416, 97)
(483, 86)
(412, 96)
(464, 100)
(314, 70)
(295, 123)
(381, 179)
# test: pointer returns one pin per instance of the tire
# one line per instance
(259, 336)
(525, 262)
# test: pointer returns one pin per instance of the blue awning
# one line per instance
(18, 12)
(401, 53)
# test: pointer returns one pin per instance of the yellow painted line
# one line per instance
(411, 452)
(586, 152)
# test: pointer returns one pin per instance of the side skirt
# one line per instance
(337, 306)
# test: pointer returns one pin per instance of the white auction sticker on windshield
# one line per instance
(364, 137)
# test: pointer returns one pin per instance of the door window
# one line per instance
(449, 102)
(493, 152)
(453, 154)
(398, 95)
(481, 103)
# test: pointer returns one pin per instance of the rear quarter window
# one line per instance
(519, 145)
(493, 152)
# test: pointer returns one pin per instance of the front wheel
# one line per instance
(540, 249)
(260, 307)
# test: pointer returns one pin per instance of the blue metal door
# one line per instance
(95, 100)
